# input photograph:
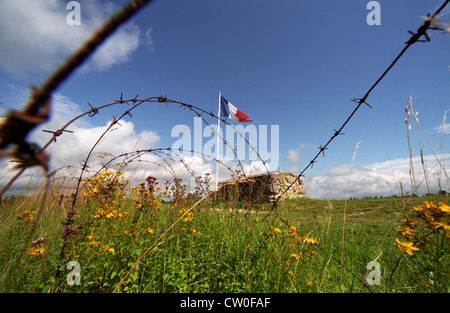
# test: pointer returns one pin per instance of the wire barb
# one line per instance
(115, 121)
(337, 133)
(361, 101)
(128, 113)
(121, 98)
(162, 99)
(322, 150)
(422, 31)
(134, 100)
(57, 133)
(93, 110)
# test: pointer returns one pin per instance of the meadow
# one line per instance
(156, 237)
(111, 236)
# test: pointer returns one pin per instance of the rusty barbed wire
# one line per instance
(18, 124)
(416, 37)
(127, 12)
(64, 71)
(135, 102)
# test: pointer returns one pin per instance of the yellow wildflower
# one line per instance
(36, 251)
(408, 222)
(189, 217)
(292, 231)
(405, 231)
(444, 208)
(149, 230)
(27, 215)
(106, 248)
(437, 225)
(276, 231)
(407, 247)
(310, 283)
(420, 209)
(100, 213)
(311, 241)
(429, 205)
(295, 255)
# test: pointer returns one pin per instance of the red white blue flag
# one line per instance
(229, 110)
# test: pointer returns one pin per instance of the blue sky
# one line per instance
(296, 64)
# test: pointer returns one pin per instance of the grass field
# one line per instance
(155, 238)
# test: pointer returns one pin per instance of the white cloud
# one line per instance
(381, 178)
(295, 155)
(377, 179)
(74, 147)
(443, 128)
(36, 36)
(71, 149)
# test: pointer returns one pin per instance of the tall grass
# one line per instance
(110, 236)
(210, 249)
(202, 250)
(166, 237)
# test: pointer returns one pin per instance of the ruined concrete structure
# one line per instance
(264, 187)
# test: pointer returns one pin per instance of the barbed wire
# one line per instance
(18, 124)
(14, 130)
(133, 104)
(41, 96)
(89, 47)
(415, 37)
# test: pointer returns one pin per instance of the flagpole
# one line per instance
(218, 141)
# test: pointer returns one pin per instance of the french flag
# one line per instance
(229, 110)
